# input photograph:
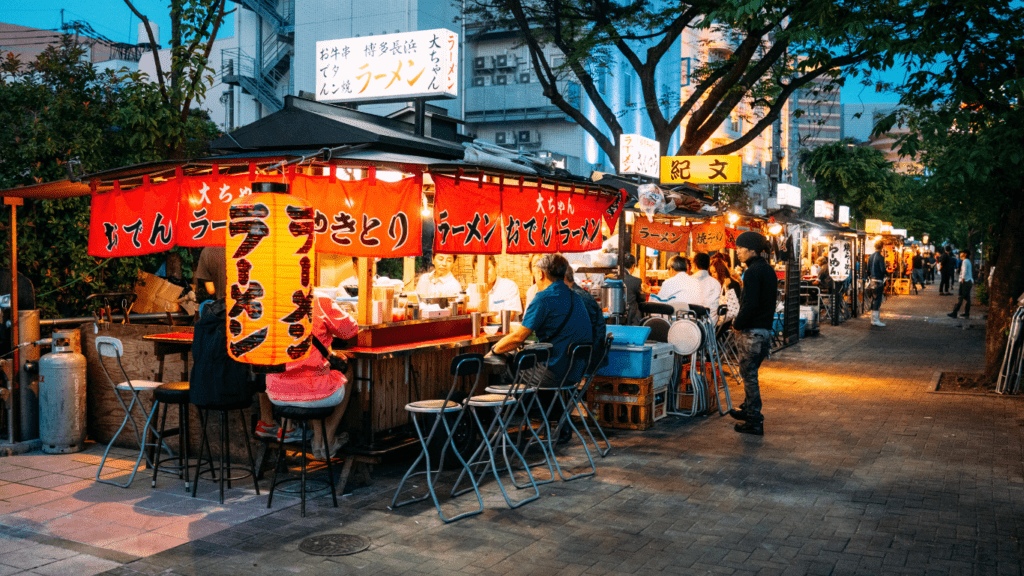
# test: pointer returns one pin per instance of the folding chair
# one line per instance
(109, 347)
(496, 435)
(585, 413)
(462, 365)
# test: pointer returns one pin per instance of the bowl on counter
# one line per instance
(492, 329)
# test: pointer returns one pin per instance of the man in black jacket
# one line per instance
(946, 271)
(753, 324)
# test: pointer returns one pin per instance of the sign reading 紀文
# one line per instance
(638, 155)
(421, 64)
(701, 169)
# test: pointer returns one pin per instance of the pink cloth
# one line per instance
(312, 379)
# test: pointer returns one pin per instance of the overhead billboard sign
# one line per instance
(872, 226)
(639, 155)
(701, 169)
(388, 67)
(823, 209)
(844, 214)
(788, 195)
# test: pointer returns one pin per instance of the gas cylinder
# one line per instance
(62, 379)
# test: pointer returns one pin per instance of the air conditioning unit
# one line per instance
(504, 138)
(479, 81)
(524, 77)
(528, 137)
(480, 63)
(501, 79)
(501, 61)
(774, 170)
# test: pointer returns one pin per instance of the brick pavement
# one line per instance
(863, 470)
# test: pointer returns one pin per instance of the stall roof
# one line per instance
(304, 125)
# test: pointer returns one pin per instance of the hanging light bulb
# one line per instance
(775, 229)
(733, 217)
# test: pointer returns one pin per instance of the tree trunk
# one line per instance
(1007, 284)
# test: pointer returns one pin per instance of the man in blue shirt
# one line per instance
(557, 316)
(966, 283)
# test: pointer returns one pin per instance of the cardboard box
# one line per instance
(154, 294)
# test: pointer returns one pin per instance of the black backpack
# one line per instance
(216, 378)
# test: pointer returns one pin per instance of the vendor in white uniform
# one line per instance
(440, 283)
(681, 289)
(503, 294)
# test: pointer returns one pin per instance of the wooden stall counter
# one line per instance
(402, 362)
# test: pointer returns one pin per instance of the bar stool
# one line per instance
(109, 347)
(496, 434)
(462, 365)
(173, 393)
(303, 415)
(225, 467)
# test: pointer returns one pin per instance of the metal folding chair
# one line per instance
(109, 347)
(581, 405)
(496, 435)
(462, 365)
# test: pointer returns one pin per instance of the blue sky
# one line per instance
(113, 19)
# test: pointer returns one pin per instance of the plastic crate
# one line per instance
(659, 407)
(623, 415)
(901, 286)
(616, 386)
(629, 335)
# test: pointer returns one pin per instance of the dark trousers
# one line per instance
(917, 277)
(965, 298)
(753, 347)
(947, 281)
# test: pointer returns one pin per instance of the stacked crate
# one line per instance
(633, 392)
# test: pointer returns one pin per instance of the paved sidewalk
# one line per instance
(863, 470)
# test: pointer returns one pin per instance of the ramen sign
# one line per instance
(421, 64)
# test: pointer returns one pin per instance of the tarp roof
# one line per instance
(303, 124)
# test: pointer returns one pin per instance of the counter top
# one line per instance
(379, 352)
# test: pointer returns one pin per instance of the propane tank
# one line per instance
(62, 379)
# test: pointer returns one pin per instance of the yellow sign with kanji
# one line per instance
(701, 169)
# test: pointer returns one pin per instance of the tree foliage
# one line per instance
(849, 175)
(167, 99)
(967, 124)
(54, 110)
(778, 47)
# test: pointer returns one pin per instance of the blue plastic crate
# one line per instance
(629, 335)
(628, 361)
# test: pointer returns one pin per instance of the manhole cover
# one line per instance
(334, 544)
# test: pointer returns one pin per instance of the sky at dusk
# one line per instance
(113, 19)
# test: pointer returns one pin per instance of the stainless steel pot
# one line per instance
(611, 296)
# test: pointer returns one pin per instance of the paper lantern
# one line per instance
(269, 252)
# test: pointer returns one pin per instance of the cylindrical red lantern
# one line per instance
(269, 253)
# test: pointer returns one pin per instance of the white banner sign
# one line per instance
(899, 232)
(823, 209)
(639, 155)
(844, 214)
(421, 64)
(840, 259)
(789, 195)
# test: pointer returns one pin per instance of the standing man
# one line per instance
(599, 327)
(211, 272)
(753, 324)
(502, 293)
(946, 271)
(966, 283)
(635, 292)
(917, 270)
(441, 282)
(876, 272)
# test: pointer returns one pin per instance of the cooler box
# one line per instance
(777, 325)
(638, 361)
(628, 335)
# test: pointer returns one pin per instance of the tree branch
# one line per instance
(156, 53)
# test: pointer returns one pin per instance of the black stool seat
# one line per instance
(302, 413)
(172, 393)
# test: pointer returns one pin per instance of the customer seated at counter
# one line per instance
(682, 289)
(557, 316)
(311, 383)
(502, 293)
(439, 283)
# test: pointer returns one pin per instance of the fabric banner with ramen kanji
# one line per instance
(367, 217)
(731, 234)
(612, 209)
(203, 215)
(709, 237)
(140, 221)
(530, 215)
(467, 217)
(578, 226)
(664, 237)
